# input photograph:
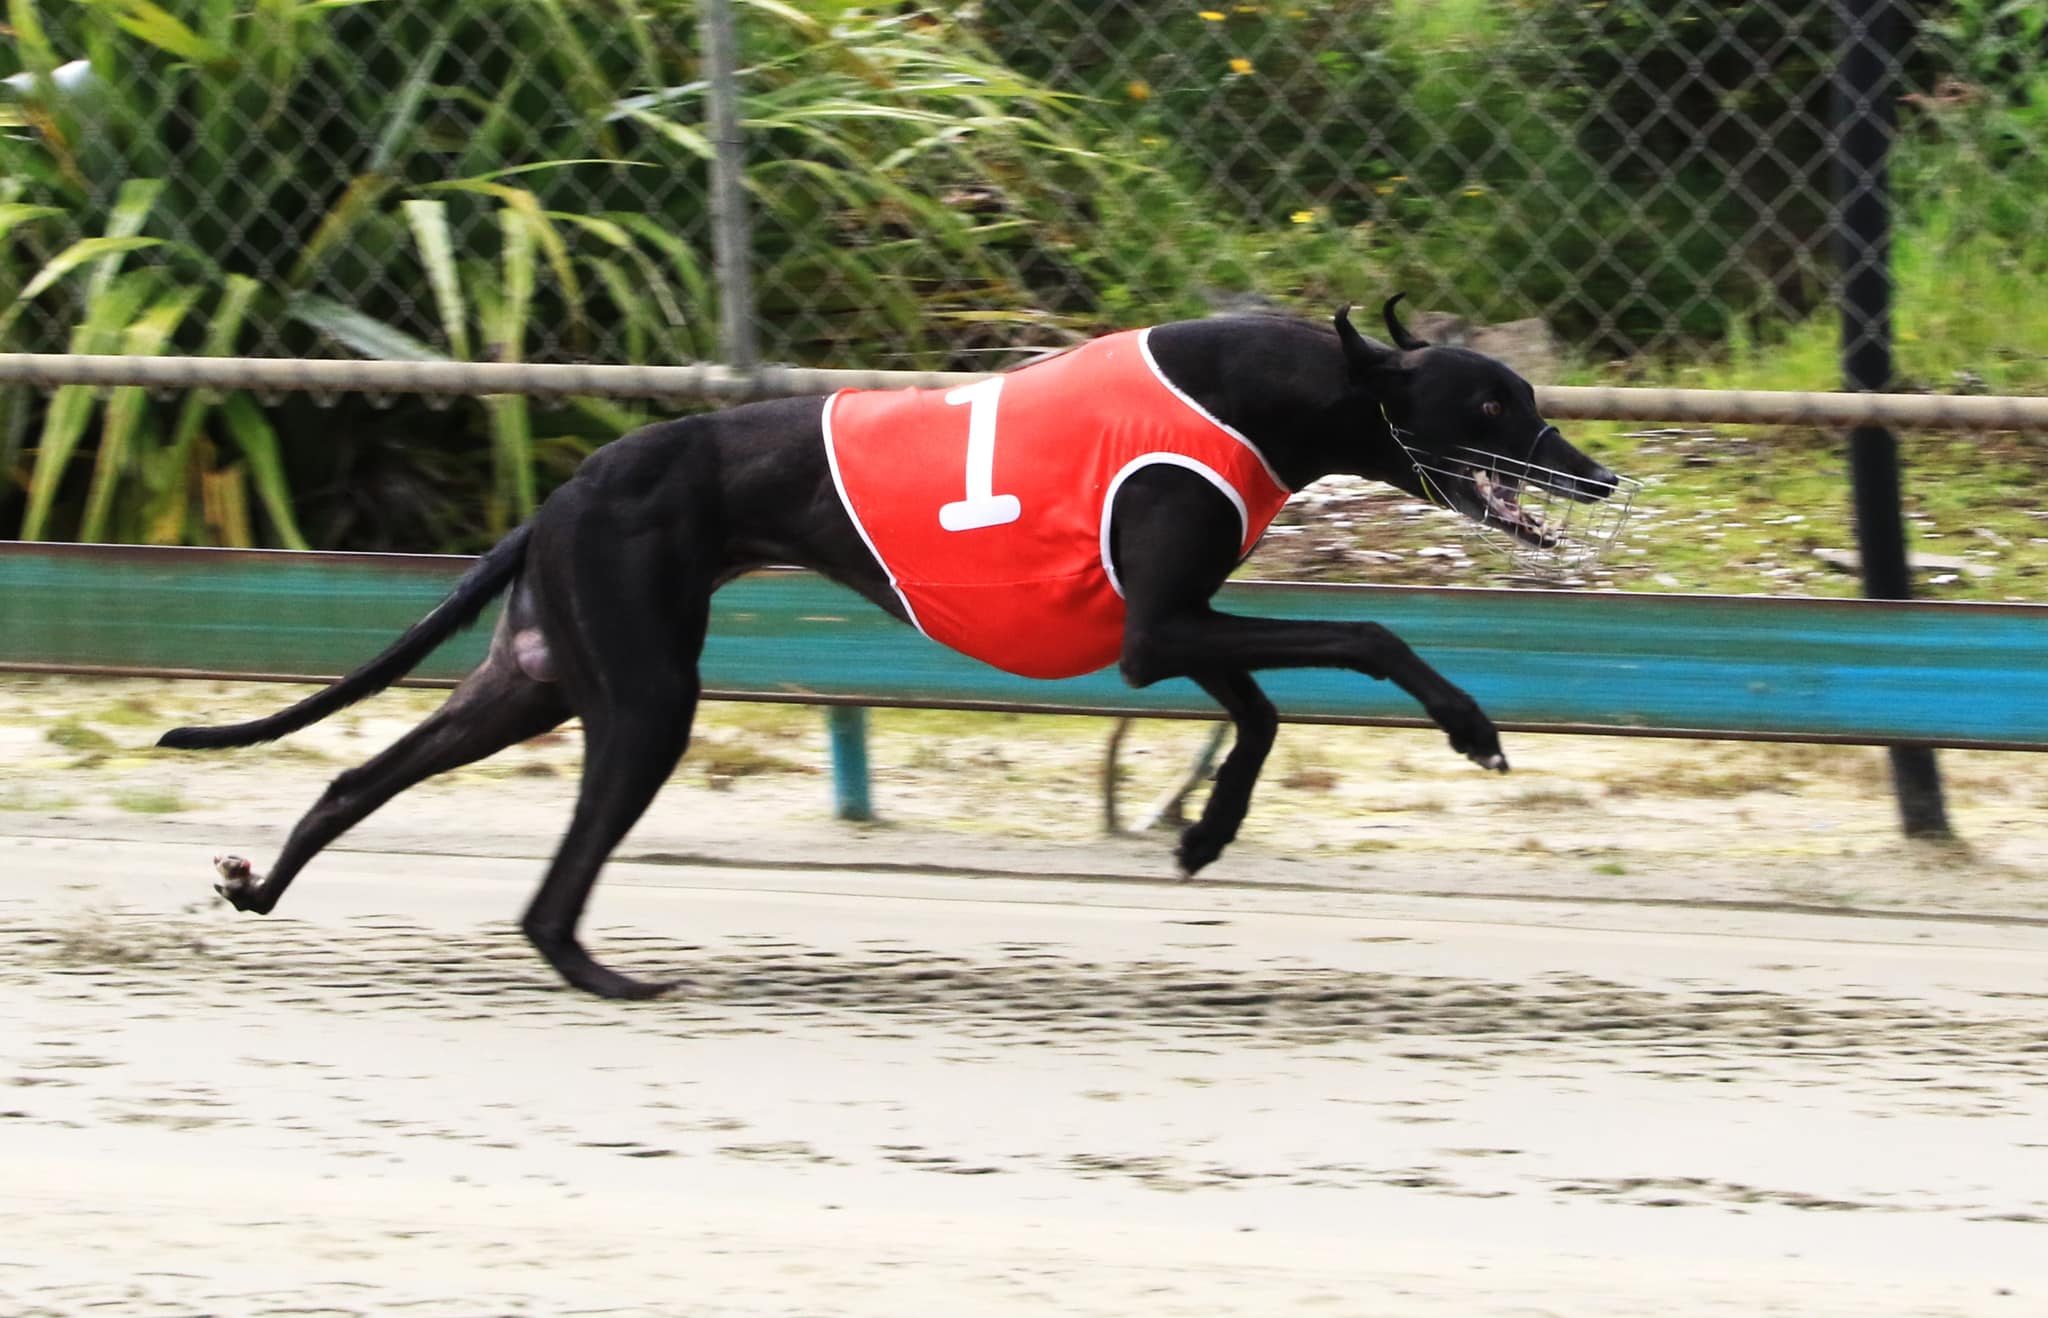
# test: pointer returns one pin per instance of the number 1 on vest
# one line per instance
(983, 506)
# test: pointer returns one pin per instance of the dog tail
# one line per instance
(478, 587)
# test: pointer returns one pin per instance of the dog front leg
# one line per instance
(1256, 723)
(1193, 642)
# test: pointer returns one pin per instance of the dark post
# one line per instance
(729, 232)
(732, 252)
(1864, 92)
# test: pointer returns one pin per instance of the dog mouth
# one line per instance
(1552, 522)
(1541, 512)
(1500, 504)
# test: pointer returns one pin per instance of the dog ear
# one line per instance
(1364, 358)
(1378, 373)
(1402, 338)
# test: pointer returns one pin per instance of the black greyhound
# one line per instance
(611, 582)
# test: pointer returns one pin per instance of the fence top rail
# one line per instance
(726, 384)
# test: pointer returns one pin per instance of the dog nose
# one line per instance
(1589, 482)
(1597, 483)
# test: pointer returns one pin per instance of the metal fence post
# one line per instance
(733, 253)
(1865, 77)
(849, 729)
(730, 234)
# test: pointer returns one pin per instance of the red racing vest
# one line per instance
(988, 505)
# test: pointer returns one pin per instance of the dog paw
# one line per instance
(1471, 733)
(1198, 846)
(239, 884)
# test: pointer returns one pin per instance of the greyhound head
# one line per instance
(1468, 436)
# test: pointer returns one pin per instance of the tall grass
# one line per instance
(505, 180)
(933, 186)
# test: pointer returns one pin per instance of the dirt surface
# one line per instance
(1352, 809)
(1644, 1027)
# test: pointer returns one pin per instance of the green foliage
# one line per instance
(526, 180)
(1567, 155)
(1973, 160)
(74, 735)
(498, 181)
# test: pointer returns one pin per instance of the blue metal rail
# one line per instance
(1858, 671)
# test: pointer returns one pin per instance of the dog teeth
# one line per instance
(1503, 500)
(1491, 492)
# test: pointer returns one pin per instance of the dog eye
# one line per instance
(1491, 407)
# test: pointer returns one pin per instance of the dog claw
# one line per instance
(1496, 762)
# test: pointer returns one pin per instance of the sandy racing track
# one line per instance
(1432, 1042)
(909, 1094)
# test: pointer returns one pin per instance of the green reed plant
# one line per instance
(505, 180)
(932, 186)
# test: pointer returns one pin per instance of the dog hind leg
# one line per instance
(495, 706)
(628, 755)
(625, 624)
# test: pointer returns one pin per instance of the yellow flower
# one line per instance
(1303, 217)
(1139, 90)
(1210, 15)
(1475, 192)
(1240, 66)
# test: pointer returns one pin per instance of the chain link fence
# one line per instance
(1604, 191)
(934, 186)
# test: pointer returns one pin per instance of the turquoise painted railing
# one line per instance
(1952, 675)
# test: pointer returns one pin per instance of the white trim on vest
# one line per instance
(1202, 469)
(1152, 364)
(846, 502)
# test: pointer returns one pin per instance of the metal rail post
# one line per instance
(733, 253)
(729, 230)
(848, 726)
(1864, 89)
